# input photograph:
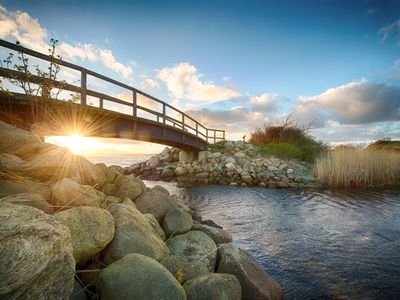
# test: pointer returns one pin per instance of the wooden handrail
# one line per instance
(84, 92)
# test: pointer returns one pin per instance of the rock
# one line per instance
(128, 201)
(54, 163)
(230, 166)
(195, 246)
(255, 282)
(109, 189)
(156, 226)
(219, 236)
(25, 186)
(180, 171)
(11, 162)
(167, 174)
(102, 167)
(36, 260)
(18, 141)
(117, 169)
(128, 186)
(281, 185)
(314, 185)
(153, 162)
(78, 292)
(211, 223)
(91, 230)
(177, 221)
(213, 286)
(112, 199)
(138, 277)
(67, 193)
(156, 202)
(183, 270)
(161, 189)
(29, 199)
(133, 234)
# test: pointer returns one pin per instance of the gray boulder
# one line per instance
(54, 163)
(182, 269)
(24, 186)
(167, 174)
(91, 230)
(177, 221)
(109, 189)
(133, 234)
(138, 277)
(11, 162)
(18, 141)
(128, 186)
(156, 226)
(195, 246)
(156, 202)
(255, 282)
(29, 199)
(219, 236)
(36, 260)
(213, 286)
(68, 193)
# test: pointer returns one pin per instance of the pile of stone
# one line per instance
(231, 163)
(70, 229)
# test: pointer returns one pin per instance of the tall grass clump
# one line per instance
(348, 167)
(287, 140)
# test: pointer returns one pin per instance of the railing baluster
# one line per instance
(101, 103)
(163, 113)
(183, 121)
(215, 136)
(134, 102)
(83, 87)
(197, 129)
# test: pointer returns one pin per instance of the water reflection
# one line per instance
(318, 245)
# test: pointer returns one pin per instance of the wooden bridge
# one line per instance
(143, 117)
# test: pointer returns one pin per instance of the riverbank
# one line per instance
(227, 163)
(73, 229)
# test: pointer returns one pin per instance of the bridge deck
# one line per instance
(166, 125)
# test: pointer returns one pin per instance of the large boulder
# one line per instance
(91, 230)
(11, 162)
(128, 186)
(68, 193)
(177, 221)
(78, 293)
(156, 226)
(54, 163)
(18, 141)
(182, 269)
(29, 199)
(138, 277)
(36, 260)
(8, 187)
(195, 246)
(133, 234)
(255, 282)
(218, 235)
(156, 202)
(213, 286)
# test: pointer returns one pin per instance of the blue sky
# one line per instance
(238, 64)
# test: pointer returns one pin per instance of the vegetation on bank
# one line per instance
(287, 140)
(347, 167)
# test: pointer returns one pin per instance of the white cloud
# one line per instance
(149, 84)
(184, 82)
(267, 102)
(391, 30)
(359, 102)
(27, 30)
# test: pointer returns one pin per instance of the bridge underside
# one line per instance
(65, 118)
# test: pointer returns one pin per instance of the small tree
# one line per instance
(41, 86)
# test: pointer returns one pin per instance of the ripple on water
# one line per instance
(318, 245)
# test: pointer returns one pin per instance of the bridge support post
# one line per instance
(186, 156)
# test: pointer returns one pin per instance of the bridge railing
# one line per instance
(179, 119)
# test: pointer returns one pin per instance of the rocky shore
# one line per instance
(226, 163)
(70, 229)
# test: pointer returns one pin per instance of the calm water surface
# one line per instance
(318, 245)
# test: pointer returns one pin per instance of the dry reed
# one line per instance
(358, 168)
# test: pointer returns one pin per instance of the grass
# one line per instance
(287, 141)
(358, 168)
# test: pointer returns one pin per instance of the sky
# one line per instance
(235, 65)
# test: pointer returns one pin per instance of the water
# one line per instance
(318, 245)
(123, 161)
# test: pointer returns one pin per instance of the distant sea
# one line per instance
(123, 161)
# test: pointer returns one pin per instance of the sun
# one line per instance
(78, 144)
